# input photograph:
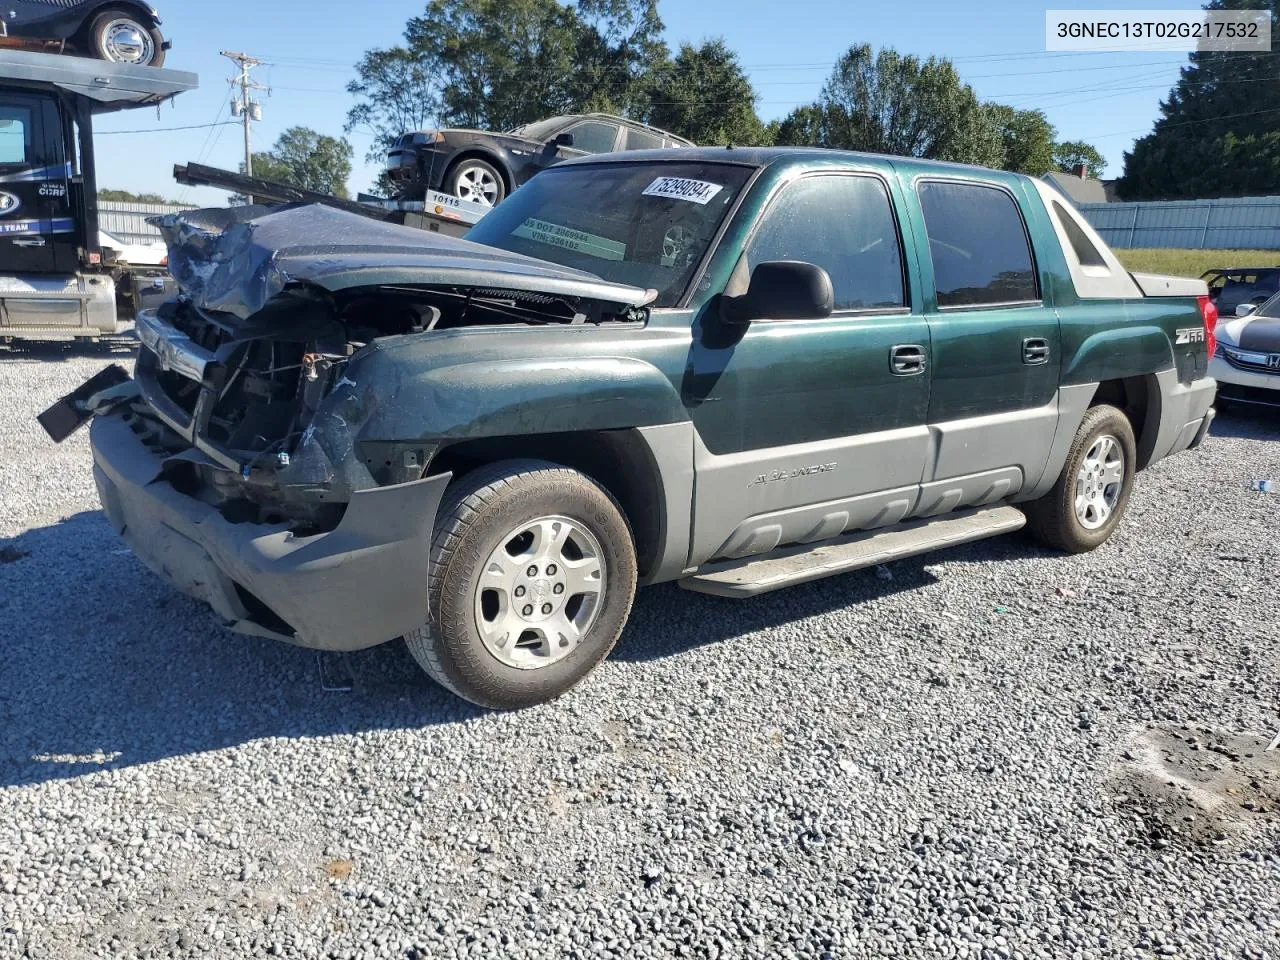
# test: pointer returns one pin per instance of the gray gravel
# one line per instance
(970, 758)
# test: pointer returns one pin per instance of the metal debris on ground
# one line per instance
(335, 672)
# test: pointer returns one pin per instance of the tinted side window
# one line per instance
(1085, 251)
(978, 244)
(593, 136)
(844, 225)
(642, 140)
(15, 134)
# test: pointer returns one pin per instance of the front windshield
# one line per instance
(541, 129)
(643, 224)
(1270, 309)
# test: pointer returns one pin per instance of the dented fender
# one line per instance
(397, 399)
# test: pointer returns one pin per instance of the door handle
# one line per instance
(1035, 350)
(907, 359)
(35, 242)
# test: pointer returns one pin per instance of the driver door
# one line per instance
(590, 136)
(31, 175)
(808, 428)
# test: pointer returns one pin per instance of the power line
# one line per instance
(1184, 123)
(194, 126)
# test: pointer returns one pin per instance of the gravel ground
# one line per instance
(998, 753)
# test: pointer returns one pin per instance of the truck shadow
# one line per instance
(120, 346)
(105, 667)
(1243, 422)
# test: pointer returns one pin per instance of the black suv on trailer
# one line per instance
(484, 167)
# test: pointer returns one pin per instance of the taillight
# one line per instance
(1209, 311)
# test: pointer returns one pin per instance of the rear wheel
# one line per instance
(123, 37)
(1091, 495)
(532, 576)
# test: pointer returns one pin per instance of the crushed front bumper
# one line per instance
(361, 584)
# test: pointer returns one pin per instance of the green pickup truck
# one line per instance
(738, 369)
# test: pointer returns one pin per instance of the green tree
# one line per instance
(1026, 138)
(503, 63)
(306, 159)
(396, 90)
(1071, 153)
(127, 196)
(704, 94)
(889, 103)
(803, 127)
(1223, 111)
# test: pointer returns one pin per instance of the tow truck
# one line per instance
(55, 282)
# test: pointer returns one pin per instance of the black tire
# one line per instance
(96, 36)
(465, 169)
(1053, 519)
(478, 514)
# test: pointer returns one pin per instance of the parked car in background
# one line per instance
(121, 31)
(1247, 362)
(738, 369)
(485, 167)
(1230, 287)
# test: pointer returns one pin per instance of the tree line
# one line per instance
(498, 64)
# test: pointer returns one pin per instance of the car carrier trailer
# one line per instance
(438, 213)
(54, 283)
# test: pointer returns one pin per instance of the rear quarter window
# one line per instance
(641, 140)
(978, 243)
(1083, 247)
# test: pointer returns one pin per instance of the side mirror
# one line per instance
(1244, 309)
(783, 290)
(563, 140)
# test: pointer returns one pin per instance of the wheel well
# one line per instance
(618, 460)
(122, 6)
(488, 158)
(1132, 395)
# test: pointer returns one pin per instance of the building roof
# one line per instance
(1080, 190)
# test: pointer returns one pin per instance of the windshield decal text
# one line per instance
(680, 188)
(579, 241)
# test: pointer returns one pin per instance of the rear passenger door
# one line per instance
(806, 427)
(995, 346)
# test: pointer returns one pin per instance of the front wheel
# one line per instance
(532, 575)
(477, 181)
(1091, 495)
(121, 37)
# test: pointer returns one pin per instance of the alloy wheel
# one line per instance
(478, 185)
(539, 592)
(1099, 482)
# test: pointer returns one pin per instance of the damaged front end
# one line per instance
(241, 470)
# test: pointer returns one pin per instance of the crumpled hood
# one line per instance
(235, 260)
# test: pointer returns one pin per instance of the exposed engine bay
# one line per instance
(245, 383)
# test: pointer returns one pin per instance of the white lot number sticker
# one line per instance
(678, 188)
(579, 241)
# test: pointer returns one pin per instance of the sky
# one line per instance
(788, 48)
